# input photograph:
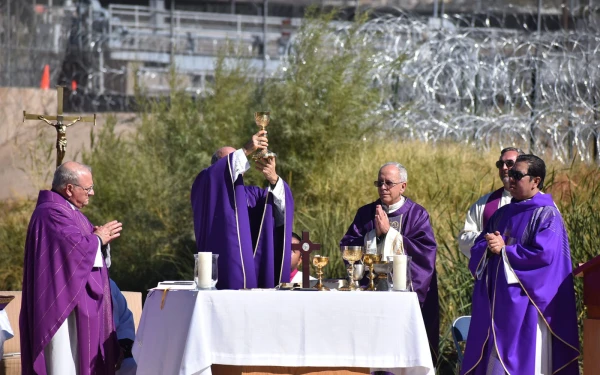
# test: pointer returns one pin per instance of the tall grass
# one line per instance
(330, 145)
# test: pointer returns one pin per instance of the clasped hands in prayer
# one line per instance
(495, 242)
(266, 166)
(382, 222)
(108, 231)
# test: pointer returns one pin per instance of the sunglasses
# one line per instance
(517, 175)
(509, 163)
(389, 184)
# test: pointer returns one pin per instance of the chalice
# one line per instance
(262, 119)
(369, 260)
(320, 261)
(351, 254)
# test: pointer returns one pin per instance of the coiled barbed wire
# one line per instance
(487, 86)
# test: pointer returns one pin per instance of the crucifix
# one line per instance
(59, 125)
(306, 247)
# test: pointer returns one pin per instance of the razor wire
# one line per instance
(487, 86)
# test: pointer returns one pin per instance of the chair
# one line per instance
(460, 331)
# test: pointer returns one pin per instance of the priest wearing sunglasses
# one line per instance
(481, 211)
(524, 318)
(394, 223)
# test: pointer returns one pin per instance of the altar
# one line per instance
(186, 332)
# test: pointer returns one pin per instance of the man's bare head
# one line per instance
(74, 181)
(221, 153)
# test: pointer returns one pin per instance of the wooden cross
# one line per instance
(61, 128)
(307, 247)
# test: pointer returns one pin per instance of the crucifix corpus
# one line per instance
(59, 125)
(306, 247)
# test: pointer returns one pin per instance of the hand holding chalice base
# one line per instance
(262, 120)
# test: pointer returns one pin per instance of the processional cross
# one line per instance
(60, 126)
(306, 247)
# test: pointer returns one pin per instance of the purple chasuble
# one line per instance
(419, 243)
(491, 205)
(58, 279)
(238, 223)
(537, 249)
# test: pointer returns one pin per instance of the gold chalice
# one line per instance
(262, 120)
(369, 260)
(351, 254)
(320, 261)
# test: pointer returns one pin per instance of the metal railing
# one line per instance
(142, 28)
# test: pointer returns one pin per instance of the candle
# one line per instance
(204, 270)
(399, 279)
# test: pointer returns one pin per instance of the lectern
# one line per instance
(590, 272)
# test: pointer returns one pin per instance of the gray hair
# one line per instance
(401, 170)
(67, 175)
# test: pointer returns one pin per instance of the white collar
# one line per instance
(394, 207)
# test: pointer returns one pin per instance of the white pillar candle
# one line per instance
(399, 280)
(204, 270)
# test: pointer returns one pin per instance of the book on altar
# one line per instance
(176, 285)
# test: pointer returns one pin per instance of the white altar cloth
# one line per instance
(195, 329)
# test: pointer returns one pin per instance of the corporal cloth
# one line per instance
(505, 315)
(238, 223)
(419, 243)
(59, 280)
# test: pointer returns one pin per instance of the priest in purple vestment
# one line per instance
(395, 223)
(66, 318)
(481, 211)
(249, 227)
(524, 318)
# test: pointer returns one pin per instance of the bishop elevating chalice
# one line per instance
(262, 120)
(320, 261)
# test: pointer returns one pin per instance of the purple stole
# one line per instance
(491, 205)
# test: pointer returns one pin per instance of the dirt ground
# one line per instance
(21, 175)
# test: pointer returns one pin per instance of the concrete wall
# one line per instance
(27, 149)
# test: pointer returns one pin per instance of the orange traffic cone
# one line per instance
(45, 83)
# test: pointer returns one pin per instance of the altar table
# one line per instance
(365, 330)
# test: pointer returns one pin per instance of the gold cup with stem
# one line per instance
(369, 259)
(351, 254)
(262, 120)
(320, 261)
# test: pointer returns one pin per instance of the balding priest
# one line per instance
(249, 227)
(66, 320)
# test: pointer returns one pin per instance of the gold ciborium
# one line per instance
(320, 261)
(351, 254)
(369, 260)
(262, 120)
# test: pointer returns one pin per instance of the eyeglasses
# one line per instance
(517, 175)
(87, 190)
(389, 184)
(509, 163)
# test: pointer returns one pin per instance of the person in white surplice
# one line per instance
(484, 208)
